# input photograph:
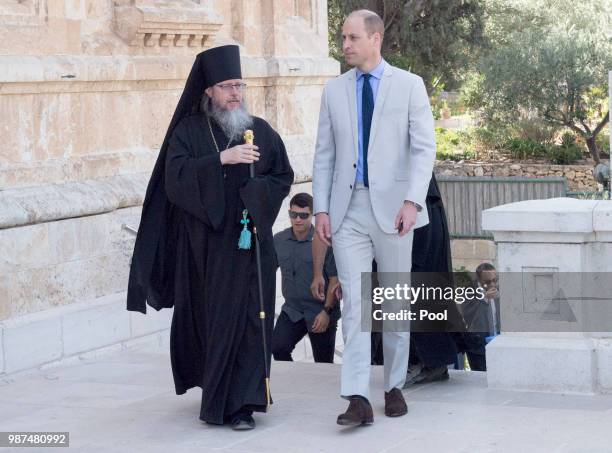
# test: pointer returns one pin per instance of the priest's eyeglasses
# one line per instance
(301, 215)
(229, 87)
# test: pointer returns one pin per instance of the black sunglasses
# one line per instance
(301, 215)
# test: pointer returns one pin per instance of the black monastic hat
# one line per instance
(219, 64)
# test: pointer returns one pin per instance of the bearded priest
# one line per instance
(194, 250)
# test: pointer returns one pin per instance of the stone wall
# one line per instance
(66, 242)
(87, 89)
(64, 298)
(469, 253)
(579, 177)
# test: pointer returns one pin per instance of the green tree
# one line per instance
(436, 39)
(550, 62)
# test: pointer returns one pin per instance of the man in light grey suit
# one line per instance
(374, 158)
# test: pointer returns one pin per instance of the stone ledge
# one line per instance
(543, 237)
(68, 68)
(543, 365)
(58, 334)
(33, 205)
(602, 221)
(86, 329)
(75, 68)
(555, 215)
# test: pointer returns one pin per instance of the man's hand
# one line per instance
(239, 154)
(491, 293)
(337, 290)
(323, 227)
(320, 323)
(406, 218)
(317, 287)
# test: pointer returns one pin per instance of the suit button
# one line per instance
(354, 165)
(351, 186)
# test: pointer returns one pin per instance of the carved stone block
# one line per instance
(154, 23)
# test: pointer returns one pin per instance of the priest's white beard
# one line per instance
(232, 122)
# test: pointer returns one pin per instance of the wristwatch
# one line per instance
(416, 205)
(328, 310)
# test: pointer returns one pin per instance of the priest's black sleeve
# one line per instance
(264, 194)
(194, 184)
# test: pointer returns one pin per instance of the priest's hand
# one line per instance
(323, 227)
(239, 154)
(321, 322)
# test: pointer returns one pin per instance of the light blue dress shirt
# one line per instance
(376, 74)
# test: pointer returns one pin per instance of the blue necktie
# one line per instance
(367, 109)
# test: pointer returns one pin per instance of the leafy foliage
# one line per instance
(453, 145)
(567, 153)
(549, 61)
(436, 39)
(526, 148)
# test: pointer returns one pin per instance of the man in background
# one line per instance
(302, 313)
(482, 316)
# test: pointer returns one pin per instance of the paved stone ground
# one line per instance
(125, 402)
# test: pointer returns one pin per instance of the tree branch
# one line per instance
(575, 128)
(560, 121)
(391, 20)
(551, 119)
(564, 122)
(601, 125)
(586, 127)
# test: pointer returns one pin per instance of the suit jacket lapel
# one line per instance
(351, 96)
(381, 96)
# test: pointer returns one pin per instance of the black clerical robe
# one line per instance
(434, 342)
(216, 338)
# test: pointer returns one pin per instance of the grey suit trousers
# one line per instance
(357, 242)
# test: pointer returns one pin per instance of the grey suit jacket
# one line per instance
(401, 150)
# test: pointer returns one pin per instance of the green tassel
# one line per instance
(244, 243)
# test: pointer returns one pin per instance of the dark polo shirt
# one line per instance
(295, 261)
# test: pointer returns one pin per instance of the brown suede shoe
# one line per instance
(358, 413)
(395, 405)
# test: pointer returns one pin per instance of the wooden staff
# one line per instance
(249, 138)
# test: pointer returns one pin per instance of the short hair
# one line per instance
(302, 200)
(483, 267)
(372, 22)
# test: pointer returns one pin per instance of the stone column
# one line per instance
(552, 256)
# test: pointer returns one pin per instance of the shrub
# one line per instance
(489, 138)
(561, 155)
(528, 127)
(453, 145)
(568, 152)
(521, 148)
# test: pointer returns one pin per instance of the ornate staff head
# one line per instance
(249, 137)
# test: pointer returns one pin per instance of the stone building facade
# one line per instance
(87, 89)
